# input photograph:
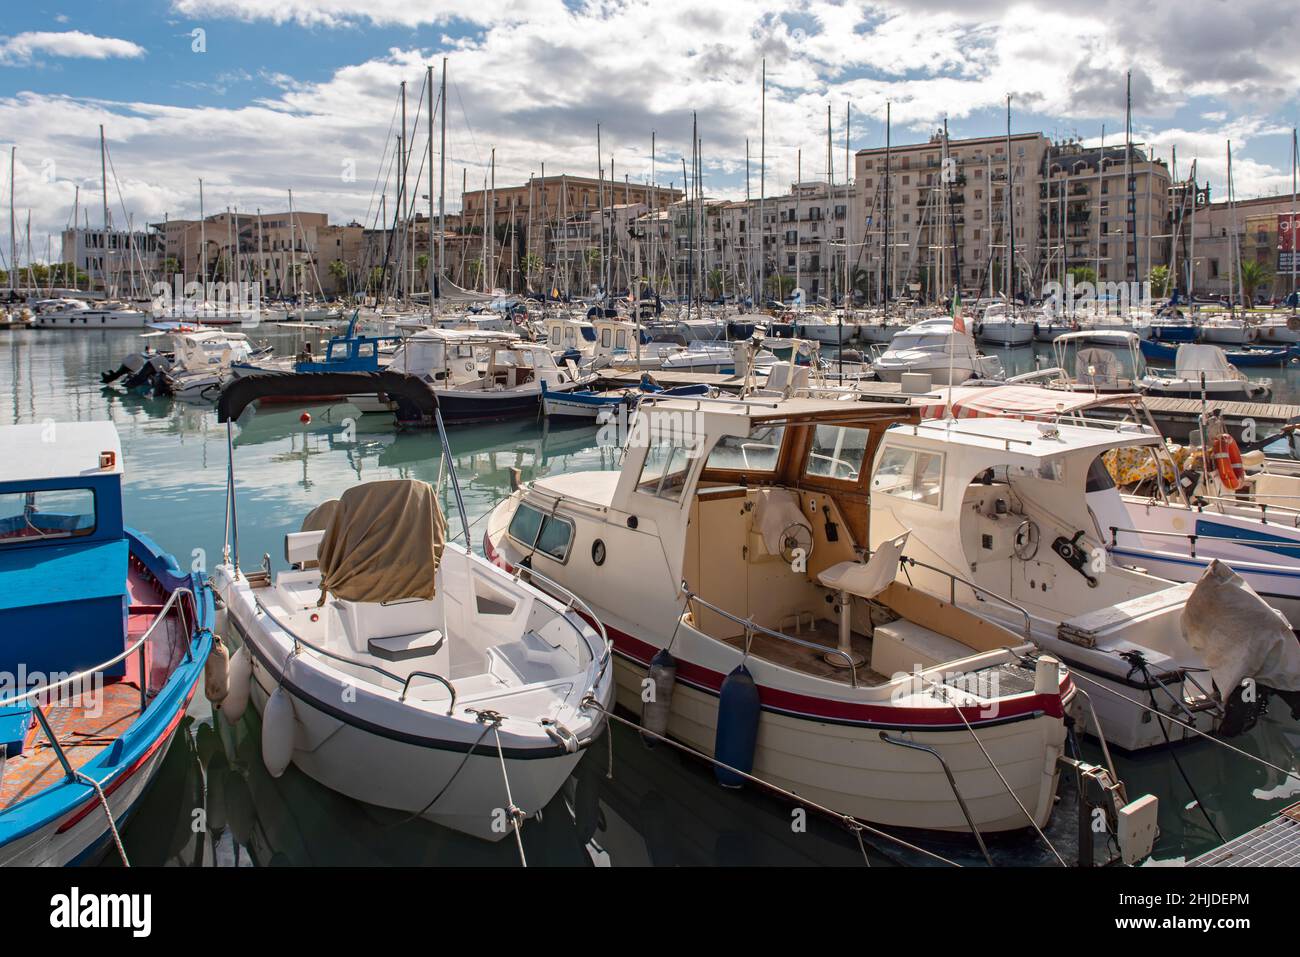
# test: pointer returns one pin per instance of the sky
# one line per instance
(259, 97)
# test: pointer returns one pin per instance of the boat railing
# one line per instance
(1287, 510)
(906, 561)
(574, 602)
(298, 641)
(1192, 538)
(136, 647)
(752, 628)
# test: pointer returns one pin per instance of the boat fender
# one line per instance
(216, 672)
(239, 678)
(655, 706)
(277, 732)
(737, 734)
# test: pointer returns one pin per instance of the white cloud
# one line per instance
(23, 48)
(533, 77)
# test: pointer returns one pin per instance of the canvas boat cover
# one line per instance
(383, 543)
(448, 291)
(1193, 358)
(1238, 634)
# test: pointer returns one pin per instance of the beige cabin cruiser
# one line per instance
(730, 545)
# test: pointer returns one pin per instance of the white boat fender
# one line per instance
(239, 679)
(216, 672)
(1047, 676)
(657, 694)
(277, 732)
(737, 735)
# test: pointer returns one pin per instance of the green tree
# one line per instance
(1082, 274)
(338, 271)
(1253, 275)
(778, 286)
(1159, 279)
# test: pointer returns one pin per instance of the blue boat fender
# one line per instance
(737, 735)
(657, 694)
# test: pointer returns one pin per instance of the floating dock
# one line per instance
(1275, 843)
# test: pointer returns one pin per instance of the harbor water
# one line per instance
(214, 804)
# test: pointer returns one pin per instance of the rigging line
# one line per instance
(388, 137)
(1195, 730)
(847, 820)
(468, 129)
(1173, 752)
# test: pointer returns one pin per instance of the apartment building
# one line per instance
(1249, 230)
(117, 260)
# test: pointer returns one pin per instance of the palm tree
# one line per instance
(1253, 275)
(715, 283)
(338, 271)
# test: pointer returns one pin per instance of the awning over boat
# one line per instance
(383, 543)
(1016, 401)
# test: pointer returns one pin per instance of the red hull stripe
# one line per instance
(829, 709)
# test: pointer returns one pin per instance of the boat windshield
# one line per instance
(45, 514)
(756, 452)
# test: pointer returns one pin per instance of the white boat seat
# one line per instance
(866, 579)
(302, 547)
(405, 647)
(904, 647)
(1148, 616)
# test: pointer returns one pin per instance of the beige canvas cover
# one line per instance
(319, 518)
(383, 543)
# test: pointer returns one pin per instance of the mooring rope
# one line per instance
(514, 812)
(943, 693)
(848, 820)
(112, 825)
(1195, 730)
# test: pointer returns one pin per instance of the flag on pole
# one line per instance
(958, 323)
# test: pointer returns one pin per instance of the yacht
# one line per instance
(949, 356)
(1002, 325)
(1204, 370)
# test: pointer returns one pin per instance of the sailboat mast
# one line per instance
(428, 85)
(103, 176)
(889, 282)
(13, 235)
(1008, 281)
(442, 178)
(762, 188)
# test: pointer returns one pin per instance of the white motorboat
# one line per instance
(1027, 510)
(825, 675)
(407, 672)
(77, 314)
(1003, 325)
(1203, 370)
(947, 354)
(201, 363)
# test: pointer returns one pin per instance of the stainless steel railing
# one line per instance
(752, 627)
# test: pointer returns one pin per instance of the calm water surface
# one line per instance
(214, 804)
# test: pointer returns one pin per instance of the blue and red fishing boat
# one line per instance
(103, 641)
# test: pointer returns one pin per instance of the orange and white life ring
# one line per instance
(1227, 460)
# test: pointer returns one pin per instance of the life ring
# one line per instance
(1227, 459)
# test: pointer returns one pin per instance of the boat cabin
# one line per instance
(746, 501)
(207, 349)
(1021, 509)
(63, 551)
